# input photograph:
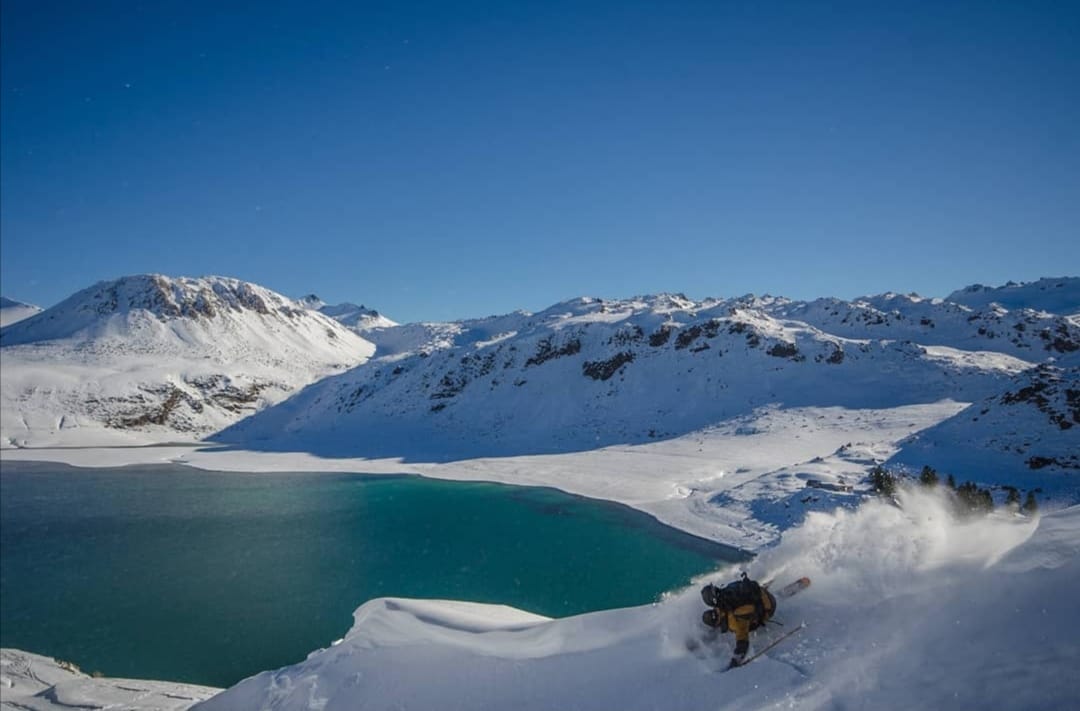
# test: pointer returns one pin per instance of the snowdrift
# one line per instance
(910, 608)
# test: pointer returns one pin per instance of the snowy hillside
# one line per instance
(166, 358)
(1033, 424)
(588, 373)
(14, 311)
(1056, 296)
(905, 611)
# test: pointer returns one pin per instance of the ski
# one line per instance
(792, 588)
(767, 647)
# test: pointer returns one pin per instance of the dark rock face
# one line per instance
(1048, 391)
(604, 369)
(546, 350)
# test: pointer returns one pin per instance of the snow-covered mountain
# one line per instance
(14, 311)
(1056, 296)
(359, 318)
(164, 357)
(587, 373)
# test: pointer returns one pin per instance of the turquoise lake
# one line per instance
(173, 573)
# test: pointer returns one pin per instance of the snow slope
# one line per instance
(153, 358)
(589, 373)
(909, 609)
(1034, 424)
(15, 311)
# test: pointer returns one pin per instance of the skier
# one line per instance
(740, 607)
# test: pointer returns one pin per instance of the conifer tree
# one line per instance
(928, 477)
(882, 481)
(1030, 506)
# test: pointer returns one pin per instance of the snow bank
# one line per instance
(31, 682)
(909, 609)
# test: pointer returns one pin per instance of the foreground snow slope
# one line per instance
(909, 609)
(152, 358)
(31, 682)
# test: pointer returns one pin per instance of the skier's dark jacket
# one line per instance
(744, 619)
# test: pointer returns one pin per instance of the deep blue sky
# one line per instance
(448, 160)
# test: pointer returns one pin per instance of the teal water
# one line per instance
(172, 573)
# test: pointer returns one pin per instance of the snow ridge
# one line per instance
(359, 318)
(1054, 295)
(12, 311)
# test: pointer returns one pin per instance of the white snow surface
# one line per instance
(31, 682)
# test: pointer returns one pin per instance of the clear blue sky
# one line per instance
(448, 160)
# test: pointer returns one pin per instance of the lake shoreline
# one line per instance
(263, 567)
(691, 519)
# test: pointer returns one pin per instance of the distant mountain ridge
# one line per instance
(1025, 333)
(1059, 295)
(359, 318)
